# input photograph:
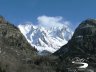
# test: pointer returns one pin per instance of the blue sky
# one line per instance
(19, 11)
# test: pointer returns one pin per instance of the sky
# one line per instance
(72, 11)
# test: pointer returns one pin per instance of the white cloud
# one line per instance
(52, 21)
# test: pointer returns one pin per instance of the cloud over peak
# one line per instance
(49, 21)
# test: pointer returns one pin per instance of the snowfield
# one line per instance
(44, 38)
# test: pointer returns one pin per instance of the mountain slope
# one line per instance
(15, 51)
(81, 48)
(44, 38)
(83, 39)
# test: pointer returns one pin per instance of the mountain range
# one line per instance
(45, 38)
(77, 55)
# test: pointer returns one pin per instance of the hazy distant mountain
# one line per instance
(44, 38)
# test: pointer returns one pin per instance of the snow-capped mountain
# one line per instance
(44, 38)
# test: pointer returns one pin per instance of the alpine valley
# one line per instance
(76, 55)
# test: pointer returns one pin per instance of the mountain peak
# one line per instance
(2, 20)
(87, 27)
(88, 22)
(46, 38)
(91, 20)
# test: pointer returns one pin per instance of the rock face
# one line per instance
(82, 45)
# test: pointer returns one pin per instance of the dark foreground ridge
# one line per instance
(81, 48)
(14, 49)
